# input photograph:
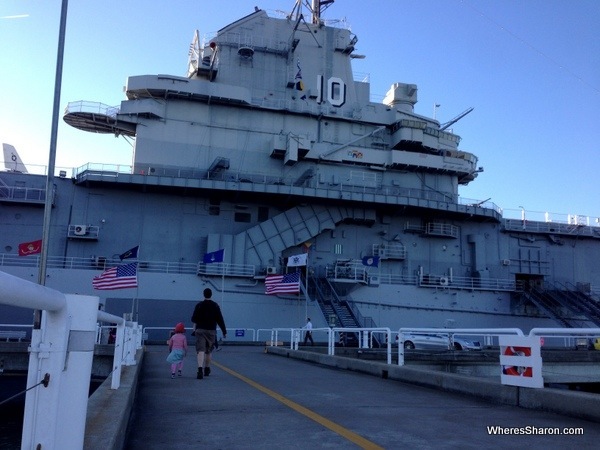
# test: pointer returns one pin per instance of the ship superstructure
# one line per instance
(270, 148)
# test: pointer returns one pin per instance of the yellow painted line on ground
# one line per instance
(344, 432)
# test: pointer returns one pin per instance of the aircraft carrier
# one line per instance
(268, 152)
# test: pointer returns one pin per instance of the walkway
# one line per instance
(257, 400)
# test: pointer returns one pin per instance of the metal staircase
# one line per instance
(338, 312)
(568, 306)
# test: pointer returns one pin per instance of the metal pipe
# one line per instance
(25, 294)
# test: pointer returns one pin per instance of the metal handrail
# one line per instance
(67, 333)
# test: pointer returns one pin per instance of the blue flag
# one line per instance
(214, 257)
(371, 261)
(131, 253)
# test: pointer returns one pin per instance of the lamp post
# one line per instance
(37, 318)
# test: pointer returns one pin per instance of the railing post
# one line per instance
(400, 348)
(365, 339)
(118, 356)
(62, 352)
(139, 337)
(388, 335)
(129, 346)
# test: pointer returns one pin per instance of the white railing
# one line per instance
(573, 229)
(233, 331)
(83, 106)
(38, 169)
(7, 334)
(60, 362)
(520, 216)
(366, 335)
(469, 283)
(488, 334)
(97, 263)
(365, 339)
(450, 332)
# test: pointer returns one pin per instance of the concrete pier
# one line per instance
(274, 397)
(279, 398)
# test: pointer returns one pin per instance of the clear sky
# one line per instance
(530, 69)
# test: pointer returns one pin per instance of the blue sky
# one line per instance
(530, 69)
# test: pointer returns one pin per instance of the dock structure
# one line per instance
(274, 397)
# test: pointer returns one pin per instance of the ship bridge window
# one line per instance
(242, 217)
(263, 213)
(214, 208)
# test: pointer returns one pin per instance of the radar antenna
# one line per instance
(456, 119)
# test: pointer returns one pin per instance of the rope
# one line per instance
(45, 382)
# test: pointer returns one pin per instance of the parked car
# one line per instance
(466, 344)
(593, 344)
(584, 343)
(438, 342)
(426, 341)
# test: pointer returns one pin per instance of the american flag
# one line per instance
(120, 277)
(283, 284)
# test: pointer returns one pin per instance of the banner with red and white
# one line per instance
(30, 248)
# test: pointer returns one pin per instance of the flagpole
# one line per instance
(223, 280)
(137, 289)
(306, 290)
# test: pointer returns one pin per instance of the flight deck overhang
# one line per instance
(274, 190)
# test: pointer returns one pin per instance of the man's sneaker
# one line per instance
(179, 373)
(173, 375)
(206, 371)
(199, 375)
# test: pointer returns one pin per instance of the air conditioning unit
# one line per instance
(506, 262)
(271, 270)
(79, 230)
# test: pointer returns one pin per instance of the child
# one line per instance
(178, 349)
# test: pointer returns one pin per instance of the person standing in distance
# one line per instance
(308, 334)
(207, 315)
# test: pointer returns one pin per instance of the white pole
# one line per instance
(306, 291)
(61, 354)
(223, 281)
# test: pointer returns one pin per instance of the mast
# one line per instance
(318, 6)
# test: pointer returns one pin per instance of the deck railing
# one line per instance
(60, 362)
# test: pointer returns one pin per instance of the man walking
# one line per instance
(207, 315)
(308, 334)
